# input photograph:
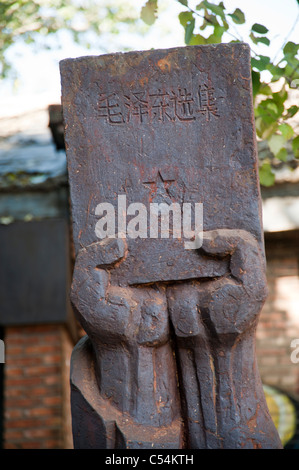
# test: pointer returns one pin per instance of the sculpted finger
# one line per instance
(247, 264)
(154, 322)
(225, 307)
(222, 242)
(103, 254)
(184, 310)
(88, 289)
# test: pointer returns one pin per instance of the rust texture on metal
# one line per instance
(169, 360)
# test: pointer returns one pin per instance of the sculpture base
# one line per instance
(97, 424)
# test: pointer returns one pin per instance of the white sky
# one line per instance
(39, 80)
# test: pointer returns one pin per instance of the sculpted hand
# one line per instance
(231, 304)
(128, 314)
(89, 290)
(129, 330)
(215, 323)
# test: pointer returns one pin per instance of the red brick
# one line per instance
(22, 423)
(40, 412)
(19, 402)
(15, 342)
(13, 371)
(13, 435)
(41, 370)
(52, 380)
(23, 382)
(14, 392)
(270, 361)
(11, 350)
(31, 445)
(10, 445)
(40, 391)
(27, 360)
(35, 359)
(40, 349)
(52, 336)
(53, 420)
(38, 329)
(52, 359)
(39, 433)
(52, 444)
(52, 401)
(13, 413)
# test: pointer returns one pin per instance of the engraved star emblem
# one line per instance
(159, 188)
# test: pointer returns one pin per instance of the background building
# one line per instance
(37, 323)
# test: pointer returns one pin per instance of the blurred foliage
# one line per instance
(272, 106)
(32, 21)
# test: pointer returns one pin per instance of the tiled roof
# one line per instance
(28, 155)
(29, 158)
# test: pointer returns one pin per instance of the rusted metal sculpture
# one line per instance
(169, 360)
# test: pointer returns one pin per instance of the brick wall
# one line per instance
(36, 393)
(279, 321)
(37, 358)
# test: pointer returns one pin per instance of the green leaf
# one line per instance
(237, 16)
(209, 20)
(292, 110)
(261, 63)
(286, 130)
(189, 30)
(264, 40)
(200, 6)
(225, 24)
(255, 82)
(276, 143)
(280, 96)
(253, 38)
(269, 110)
(264, 60)
(267, 117)
(185, 17)
(183, 2)
(267, 177)
(272, 107)
(265, 130)
(257, 39)
(265, 89)
(259, 126)
(282, 155)
(216, 9)
(197, 39)
(290, 70)
(295, 146)
(290, 48)
(213, 39)
(149, 12)
(255, 63)
(219, 30)
(277, 72)
(259, 28)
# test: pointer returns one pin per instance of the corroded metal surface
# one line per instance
(171, 330)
